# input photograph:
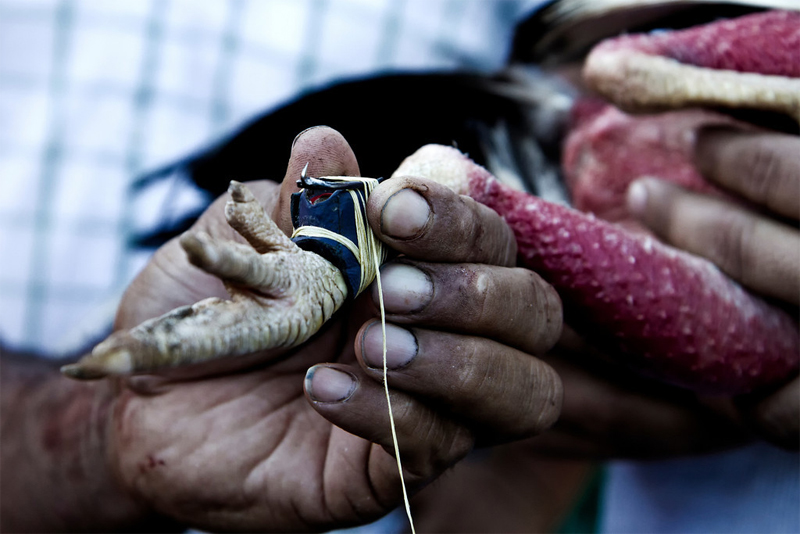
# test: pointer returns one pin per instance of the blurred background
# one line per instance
(95, 93)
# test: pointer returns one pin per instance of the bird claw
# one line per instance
(280, 296)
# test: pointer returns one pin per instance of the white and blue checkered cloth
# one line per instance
(96, 92)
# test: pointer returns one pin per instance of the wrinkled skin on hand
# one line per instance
(280, 295)
(297, 439)
(609, 412)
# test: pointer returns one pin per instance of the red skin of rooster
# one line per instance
(748, 62)
(675, 315)
(763, 43)
(670, 314)
(607, 149)
(667, 313)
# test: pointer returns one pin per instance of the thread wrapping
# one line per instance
(371, 253)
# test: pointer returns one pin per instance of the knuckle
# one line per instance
(544, 311)
(487, 237)
(452, 447)
(764, 171)
(554, 317)
(442, 444)
(474, 231)
(542, 398)
(456, 229)
(404, 412)
(473, 374)
(549, 397)
(478, 287)
(508, 252)
(661, 215)
(732, 245)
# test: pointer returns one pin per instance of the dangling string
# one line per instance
(388, 399)
(370, 253)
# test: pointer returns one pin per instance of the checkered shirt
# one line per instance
(95, 93)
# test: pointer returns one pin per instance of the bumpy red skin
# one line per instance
(672, 315)
(763, 43)
(607, 149)
(694, 327)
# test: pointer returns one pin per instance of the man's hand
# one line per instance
(608, 412)
(299, 439)
(612, 412)
(759, 247)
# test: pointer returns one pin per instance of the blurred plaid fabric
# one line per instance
(94, 93)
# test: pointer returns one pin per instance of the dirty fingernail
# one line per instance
(405, 214)
(326, 384)
(401, 346)
(405, 288)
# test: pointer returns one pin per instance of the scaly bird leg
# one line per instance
(280, 296)
(746, 62)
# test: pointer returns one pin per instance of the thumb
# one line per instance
(326, 152)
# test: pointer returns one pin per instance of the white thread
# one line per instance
(368, 248)
(389, 400)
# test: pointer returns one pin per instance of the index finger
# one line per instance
(763, 167)
(427, 221)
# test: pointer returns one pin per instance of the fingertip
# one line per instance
(426, 220)
(327, 384)
(653, 202)
(326, 152)
(399, 209)
(637, 198)
(407, 289)
(304, 132)
(648, 196)
(401, 347)
(553, 399)
(405, 215)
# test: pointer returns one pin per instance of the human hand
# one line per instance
(760, 249)
(611, 412)
(241, 447)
